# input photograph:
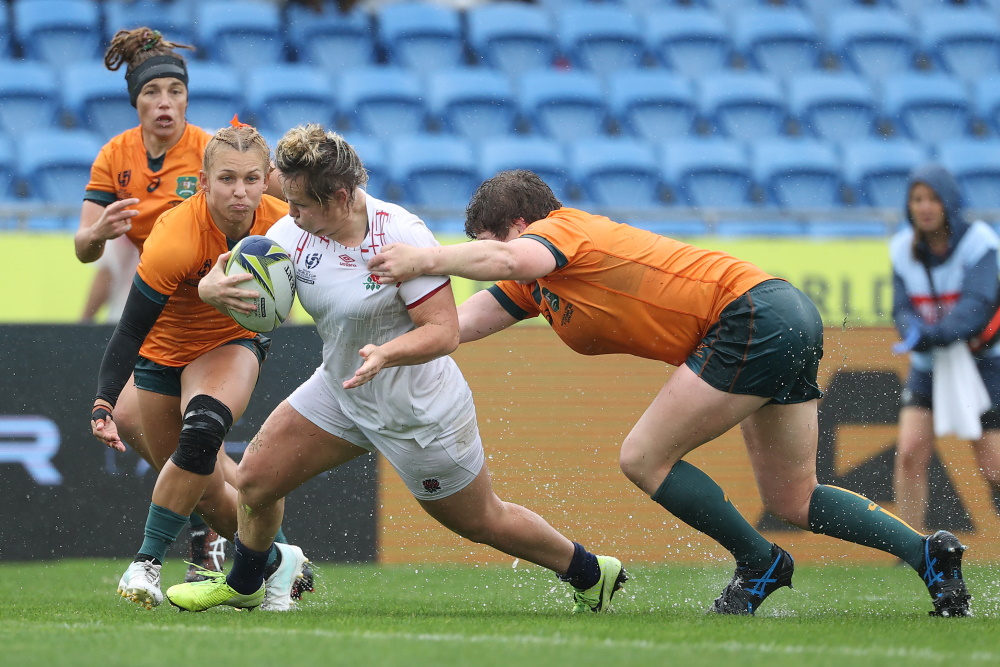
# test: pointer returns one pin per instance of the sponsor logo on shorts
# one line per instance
(431, 485)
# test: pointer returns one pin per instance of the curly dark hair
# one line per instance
(501, 200)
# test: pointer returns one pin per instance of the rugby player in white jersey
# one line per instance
(385, 384)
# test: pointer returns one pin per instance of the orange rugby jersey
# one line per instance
(180, 250)
(122, 170)
(617, 289)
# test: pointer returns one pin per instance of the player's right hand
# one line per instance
(103, 427)
(221, 292)
(115, 220)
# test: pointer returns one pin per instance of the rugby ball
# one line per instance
(273, 279)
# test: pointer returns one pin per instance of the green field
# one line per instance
(67, 613)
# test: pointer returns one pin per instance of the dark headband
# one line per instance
(156, 67)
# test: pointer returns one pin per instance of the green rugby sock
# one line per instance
(197, 523)
(848, 516)
(694, 498)
(162, 528)
(280, 537)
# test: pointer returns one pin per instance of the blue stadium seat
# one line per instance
(927, 107)
(798, 173)
(434, 170)
(708, 173)
(58, 31)
(373, 155)
(986, 100)
(877, 170)
(563, 105)
(964, 42)
(97, 98)
(875, 42)
(174, 19)
(281, 96)
(382, 102)
(8, 170)
(675, 229)
(541, 155)
(474, 102)
(215, 94)
(56, 163)
(5, 34)
(652, 103)
(976, 167)
(833, 106)
(239, 33)
(511, 36)
(778, 41)
(601, 38)
(617, 172)
(915, 7)
(752, 227)
(743, 105)
(421, 35)
(29, 96)
(846, 229)
(691, 41)
(332, 40)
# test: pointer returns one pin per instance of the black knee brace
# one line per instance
(206, 423)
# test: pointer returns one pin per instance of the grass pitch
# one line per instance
(67, 613)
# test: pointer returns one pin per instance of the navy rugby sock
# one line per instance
(247, 575)
(584, 570)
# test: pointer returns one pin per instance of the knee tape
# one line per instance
(206, 423)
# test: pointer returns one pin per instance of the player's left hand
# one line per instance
(909, 342)
(374, 362)
(220, 291)
(396, 263)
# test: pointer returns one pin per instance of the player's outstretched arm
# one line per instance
(519, 259)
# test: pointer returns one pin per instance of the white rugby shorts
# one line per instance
(445, 466)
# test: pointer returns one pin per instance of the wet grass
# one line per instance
(67, 613)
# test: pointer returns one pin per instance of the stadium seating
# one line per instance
(541, 155)
(708, 173)
(174, 19)
(8, 170)
(743, 105)
(97, 98)
(55, 164)
(58, 31)
(332, 40)
(215, 94)
(652, 104)
(753, 227)
(877, 170)
(976, 167)
(691, 41)
(798, 173)
(601, 38)
(874, 42)
(242, 33)
(474, 102)
(381, 102)
(927, 107)
(616, 172)
(846, 229)
(563, 105)
(964, 42)
(283, 95)
(779, 41)
(511, 36)
(421, 35)
(833, 106)
(986, 101)
(434, 170)
(5, 34)
(29, 96)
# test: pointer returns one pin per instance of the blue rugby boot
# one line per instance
(942, 573)
(751, 586)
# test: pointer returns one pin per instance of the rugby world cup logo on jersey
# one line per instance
(124, 178)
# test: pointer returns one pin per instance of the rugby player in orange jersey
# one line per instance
(194, 367)
(747, 348)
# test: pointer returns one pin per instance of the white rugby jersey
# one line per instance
(352, 310)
